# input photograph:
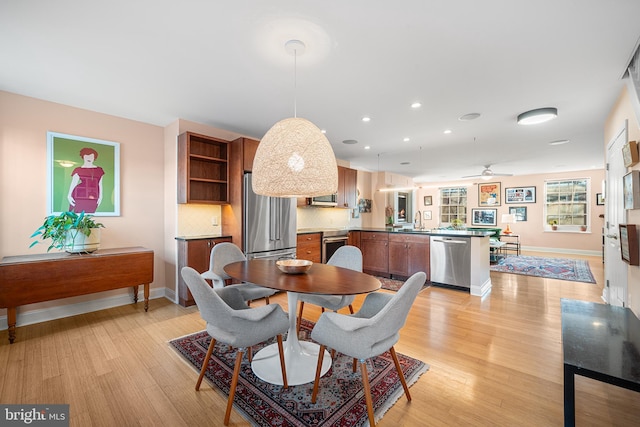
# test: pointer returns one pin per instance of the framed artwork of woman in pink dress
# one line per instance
(84, 175)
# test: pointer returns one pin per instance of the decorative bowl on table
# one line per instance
(294, 266)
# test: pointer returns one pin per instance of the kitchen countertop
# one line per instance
(429, 232)
(319, 230)
(203, 237)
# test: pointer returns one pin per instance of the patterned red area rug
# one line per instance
(393, 284)
(340, 401)
(576, 270)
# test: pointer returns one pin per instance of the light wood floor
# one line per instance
(495, 361)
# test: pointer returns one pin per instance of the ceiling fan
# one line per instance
(487, 174)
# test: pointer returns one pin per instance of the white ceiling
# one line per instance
(223, 63)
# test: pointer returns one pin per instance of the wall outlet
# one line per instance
(214, 220)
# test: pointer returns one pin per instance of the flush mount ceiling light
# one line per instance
(294, 158)
(350, 141)
(540, 115)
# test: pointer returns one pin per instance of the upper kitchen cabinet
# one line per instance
(347, 187)
(203, 172)
(247, 151)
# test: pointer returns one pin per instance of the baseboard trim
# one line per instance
(561, 251)
(68, 310)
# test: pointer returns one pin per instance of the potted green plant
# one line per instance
(457, 224)
(554, 224)
(70, 231)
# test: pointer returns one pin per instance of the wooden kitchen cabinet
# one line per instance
(354, 239)
(203, 172)
(309, 247)
(408, 254)
(247, 151)
(347, 187)
(194, 253)
(375, 252)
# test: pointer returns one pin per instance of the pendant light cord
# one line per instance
(295, 83)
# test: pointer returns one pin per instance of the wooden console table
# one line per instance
(28, 279)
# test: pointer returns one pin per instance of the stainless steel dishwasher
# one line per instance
(451, 260)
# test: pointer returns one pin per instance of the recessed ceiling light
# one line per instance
(406, 140)
(366, 147)
(349, 141)
(540, 115)
(416, 105)
(366, 119)
(323, 131)
(447, 131)
(559, 142)
(468, 117)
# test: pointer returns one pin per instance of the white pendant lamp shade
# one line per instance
(294, 159)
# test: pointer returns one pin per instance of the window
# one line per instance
(453, 204)
(402, 206)
(567, 204)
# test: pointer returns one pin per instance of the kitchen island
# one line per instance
(455, 258)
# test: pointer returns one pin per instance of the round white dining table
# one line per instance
(301, 357)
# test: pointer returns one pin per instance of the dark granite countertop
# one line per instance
(429, 232)
(203, 237)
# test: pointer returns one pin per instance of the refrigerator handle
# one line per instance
(278, 221)
(272, 221)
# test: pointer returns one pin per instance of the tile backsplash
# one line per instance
(323, 218)
(197, 220)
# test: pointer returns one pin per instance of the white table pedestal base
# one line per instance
(300, 357)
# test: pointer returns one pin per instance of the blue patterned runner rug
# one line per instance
(576, 270)
(340, 400)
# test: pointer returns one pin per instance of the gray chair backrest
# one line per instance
(213, 308)
(392, 317)
(224, 254)
(347, 257)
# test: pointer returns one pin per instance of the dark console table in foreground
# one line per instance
(28, 279)
(601, 342)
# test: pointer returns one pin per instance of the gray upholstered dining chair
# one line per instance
(223, 254)
(370, 332)
(346, 257)
(231, 321)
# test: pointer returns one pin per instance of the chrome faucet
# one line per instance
(417, 221)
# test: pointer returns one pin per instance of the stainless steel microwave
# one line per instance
(329, 200)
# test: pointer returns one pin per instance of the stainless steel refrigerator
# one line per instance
(269, 225)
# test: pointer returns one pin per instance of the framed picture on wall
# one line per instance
(520, 212)
(489, 194)
(629, 243)
(428, 201)
(520, 195)
(631, 190)
(599, 199)
(427, 215)
(83, 174)
(630, 153)
(484, 216)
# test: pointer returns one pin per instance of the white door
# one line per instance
(615, 270)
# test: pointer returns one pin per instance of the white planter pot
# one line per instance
(77, 242)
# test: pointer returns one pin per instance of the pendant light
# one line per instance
(294, 158)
